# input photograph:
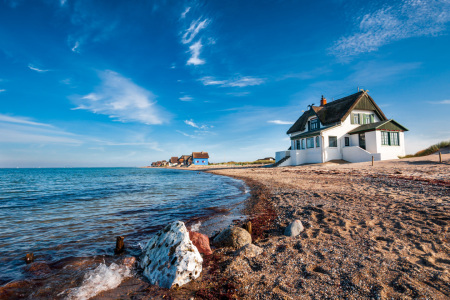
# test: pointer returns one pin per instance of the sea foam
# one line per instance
(101, 279)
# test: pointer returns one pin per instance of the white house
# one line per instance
(352, 128)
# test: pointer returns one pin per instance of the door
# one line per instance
(362, 140)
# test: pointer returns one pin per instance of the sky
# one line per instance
(87, 83)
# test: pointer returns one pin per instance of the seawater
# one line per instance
(78, 212)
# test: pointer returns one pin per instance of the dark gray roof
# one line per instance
(391, 125)
(309, 133)
(338, 110)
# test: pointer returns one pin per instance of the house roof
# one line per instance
(200, 154)
(391, 125)
(309, 133)
(174, 159)
(338, 110)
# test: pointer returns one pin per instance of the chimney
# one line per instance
(323, 101)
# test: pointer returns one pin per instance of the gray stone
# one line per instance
(249, 251)
(294, 229)
(170, 259)
(234, 237)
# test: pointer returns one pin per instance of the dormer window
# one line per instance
(314, 124)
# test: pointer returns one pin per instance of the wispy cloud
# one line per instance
(195, 125)
(21, 130)
(279, 122)
(122, 100)
(21, 120)
(184, 13)
(440, 102)
(186, 134)
(235, 82)
(410, 18)
(2, 90)
(193, 30)
(76, 47)
(186, 98)
(195, 54)
(34, 68)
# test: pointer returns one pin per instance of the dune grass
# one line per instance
(244, 163)
(430, 150)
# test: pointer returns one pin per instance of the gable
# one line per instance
(389, 125)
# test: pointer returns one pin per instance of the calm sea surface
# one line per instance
(59, 213)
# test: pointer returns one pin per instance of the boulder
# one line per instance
(234, 237)
(249, 251)
(294, 229)
(38, 269)
(200, 241)
(170, 259)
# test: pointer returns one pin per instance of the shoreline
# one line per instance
(370, 232)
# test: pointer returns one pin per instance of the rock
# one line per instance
(129, 261)
(294, 229)
(29, 258)
(170, 259)
(200, 241)
(249, 251)
(38, 269)
(233, 237)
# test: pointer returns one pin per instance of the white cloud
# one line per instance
(235, 82)
(195, 53)
(31, 67)
(193, 124)
(440, 102)
(62, 2)
(183, 14)
(76, 47)
(186, 98)
(122, 100)
(279, 122)
(21, 120)
(193, 30)
(2, 90)
(410, 18)
(185, 134)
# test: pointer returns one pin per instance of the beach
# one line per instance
(371, 232)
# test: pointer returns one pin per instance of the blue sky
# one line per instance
(124, 83)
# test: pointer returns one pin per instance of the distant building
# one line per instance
(268, 158)
(184, 160)
(200, 158)
(352, 128)
(173, 161)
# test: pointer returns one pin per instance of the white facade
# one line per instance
(343, 145)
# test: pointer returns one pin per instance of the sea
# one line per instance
(78, 212)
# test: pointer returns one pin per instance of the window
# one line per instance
(394, 139)
(314, 124)
(317, 141)
(297, 144)
(310, 143)
(332, 141)
(355, 119)
(366, 119)
(303, 143)
(390, 138)
(347, 141)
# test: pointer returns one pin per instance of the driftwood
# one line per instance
(248, 226)
(120, 246)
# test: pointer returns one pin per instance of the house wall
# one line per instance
(373, 145)
(200, 161)
(390, 152)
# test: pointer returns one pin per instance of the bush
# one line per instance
(430, 150)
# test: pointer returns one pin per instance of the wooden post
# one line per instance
(372, 161)
(29, 258)
(440, 157)
(248, 226)
(119, 245)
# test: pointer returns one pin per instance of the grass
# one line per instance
(244, 163)
(430, 150)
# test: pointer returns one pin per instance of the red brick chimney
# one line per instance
(323, 101)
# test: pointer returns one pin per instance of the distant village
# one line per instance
(196, 158)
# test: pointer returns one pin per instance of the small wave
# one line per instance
(196, 226)
(101, 279)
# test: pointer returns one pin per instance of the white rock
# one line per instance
(294, 229)
(170, 259)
